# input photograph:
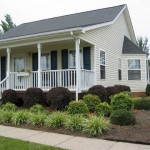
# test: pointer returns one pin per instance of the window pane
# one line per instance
(19, 63)
(102, 57)
(134, 64)
(119, 75)
(102, 72)
(45, 61)
(134, 74)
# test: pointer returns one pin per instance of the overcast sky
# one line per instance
(23, 11)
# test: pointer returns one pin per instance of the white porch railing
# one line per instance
(51, 78)
(3, 85)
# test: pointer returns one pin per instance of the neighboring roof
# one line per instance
(130, 48)
(82, 19)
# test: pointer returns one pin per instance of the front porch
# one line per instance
(66, 64)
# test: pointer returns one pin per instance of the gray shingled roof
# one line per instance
(130, 48)
(82, 19)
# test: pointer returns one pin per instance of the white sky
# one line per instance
(23, 11)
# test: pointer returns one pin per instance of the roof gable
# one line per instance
(83, 19)
(130, 48)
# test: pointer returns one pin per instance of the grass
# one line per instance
(13, 144)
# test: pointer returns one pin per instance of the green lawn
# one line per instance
(13, 144)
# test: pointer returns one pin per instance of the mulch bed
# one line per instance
(139, 133)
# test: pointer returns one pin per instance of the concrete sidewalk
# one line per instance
(67, 141)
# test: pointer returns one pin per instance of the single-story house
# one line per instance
(74, 51)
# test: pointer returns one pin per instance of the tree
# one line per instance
(7, 24)
(143, 44)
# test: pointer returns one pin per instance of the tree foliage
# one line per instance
(143, 44)
(7, 24)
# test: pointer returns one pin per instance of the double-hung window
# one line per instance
(119, 69)
(19, 63)
(134, 69)
(45, 61)
(102, 65)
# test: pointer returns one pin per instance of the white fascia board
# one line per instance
(41, 34)
(102, 24)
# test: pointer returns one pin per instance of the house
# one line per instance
(75, 51)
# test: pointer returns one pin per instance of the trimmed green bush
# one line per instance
(55, 120)
(92, 101)
(33, 96)
(98, 90)
(74, 122)
(5, 116)
(9, 107)
(122, 117)
(103, 109)
(121, 101)
(142, 103)
(59, 98)
(95, 125)
(148, 90)
(20, 117)
(37, 109)
(77, 107)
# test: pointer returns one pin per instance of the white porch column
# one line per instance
(78, 70)
(8, 67)
(39, 46)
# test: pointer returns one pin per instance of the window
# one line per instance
(134, 69)
(45, 61)
(119, 69)
(72, 59)
(19, 63)
(102, 65)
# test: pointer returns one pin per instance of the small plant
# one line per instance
(36, 119)
(37, 108)
(98, 90)
(148, 90)
(95, 125)
(77, 107)
(59, 98)
(142, 103)
(121, 101)
(20, 117)
(25, 70)
(9, 107)
(103, 109)
(122, 117)
(74, 123)
(55, 120)
(92, 101)
(5, 116)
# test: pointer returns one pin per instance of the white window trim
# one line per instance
(134, 69)
(102, 64)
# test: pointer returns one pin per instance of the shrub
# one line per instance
(9, 107)
(142, 104)
(55, 120)
(122, 117)
(95, 125)
(20, 117)
(5, 116)
(121, 101)
(37, 108)
(33, 96)
(59, 98)
(77, 107)
(111, 90)
(98, 90)
(36, 119)
(92, 101)
(9, 96)
(74, 123)
(148, 90)
(103, 109)
(122, 88)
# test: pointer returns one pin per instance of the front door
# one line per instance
(3, 67)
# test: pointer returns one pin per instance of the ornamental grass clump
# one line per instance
(37, 108)
(20, 117)
(55, 120)
(6, 116)
(74, 122)
(9, 107)
(95, 125)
